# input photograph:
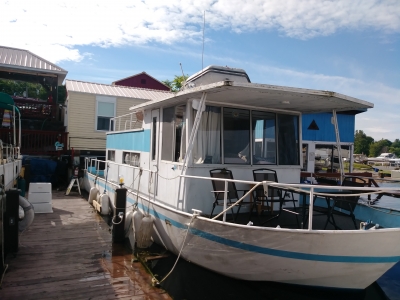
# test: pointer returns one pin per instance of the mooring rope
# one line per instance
(154, 280)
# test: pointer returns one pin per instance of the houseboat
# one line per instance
(191, 171)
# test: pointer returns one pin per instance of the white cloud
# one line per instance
(54, 28)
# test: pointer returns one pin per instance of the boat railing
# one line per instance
(306, 192)
(9, 153)
(125, 122)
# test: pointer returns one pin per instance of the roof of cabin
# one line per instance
(20, 60)
(264, 96)
(115, 90)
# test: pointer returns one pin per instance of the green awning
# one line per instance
(7, 102)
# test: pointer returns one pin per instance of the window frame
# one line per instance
(104, 99)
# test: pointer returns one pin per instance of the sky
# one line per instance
(351, 47)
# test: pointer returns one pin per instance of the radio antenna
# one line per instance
(184, 78)
(202, 53)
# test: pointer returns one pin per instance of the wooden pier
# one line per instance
(68, 254)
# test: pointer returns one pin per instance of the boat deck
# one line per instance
(68, 254)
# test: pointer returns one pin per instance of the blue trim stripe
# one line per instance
(269, 251)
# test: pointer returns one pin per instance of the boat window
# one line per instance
(305, 157)
(207, 146)
(111, 155)
(288, 139)
(153, 146)
(167, 133)
(174, 133)
(264, 131)
(180, 133)
(236, 136)
(131, 158)
(327, 158)
(105, 111)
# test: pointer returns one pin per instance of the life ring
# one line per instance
(29, 214)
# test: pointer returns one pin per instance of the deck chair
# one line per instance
(344, 206)
(219, 191)
(275, 195)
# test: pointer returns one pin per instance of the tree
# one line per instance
(379, 147)
(176, 84)
(362, 142)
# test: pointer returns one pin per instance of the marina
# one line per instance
(252, 184)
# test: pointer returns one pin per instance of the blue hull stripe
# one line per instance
(269, 251)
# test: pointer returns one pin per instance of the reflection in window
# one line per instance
(264, 146)
(132, 159)
(327, 158)
(111, 155)
(305, 157)
(207, 147)
(288, 140)
(153, 143)
(168, 133)
(174, 133)
(105, 111)
(180, 133)
(236, 136)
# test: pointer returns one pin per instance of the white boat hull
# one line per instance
(323, 258)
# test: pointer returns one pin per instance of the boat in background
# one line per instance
(213, 124)
(383, 157)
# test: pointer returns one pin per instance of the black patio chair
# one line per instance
(344, 206)
(274, 195)
(219, 191)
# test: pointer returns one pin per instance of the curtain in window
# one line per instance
(207, 147)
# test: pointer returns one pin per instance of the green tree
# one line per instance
(362, 142)
(176, 84)
(379, 147)
(29, 89)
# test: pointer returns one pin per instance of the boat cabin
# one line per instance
(242, 127)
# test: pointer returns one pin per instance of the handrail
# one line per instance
(311, 190)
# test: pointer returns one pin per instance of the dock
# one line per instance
(68, 254)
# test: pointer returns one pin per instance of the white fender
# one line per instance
(93, 194)
(128, 220)
(29, 214)
(143, 238)
(137, 221)
(105, 204)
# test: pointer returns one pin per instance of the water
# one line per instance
(189, 281)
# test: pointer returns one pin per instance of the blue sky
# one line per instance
(350, 47)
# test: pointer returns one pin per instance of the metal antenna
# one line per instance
(184, 79)
(204, 26)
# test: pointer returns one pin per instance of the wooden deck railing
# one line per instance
(37, 142)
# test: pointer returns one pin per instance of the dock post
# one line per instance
(118, 229)
(10, 222)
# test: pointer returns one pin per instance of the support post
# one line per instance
(118, 229)
(10, 221)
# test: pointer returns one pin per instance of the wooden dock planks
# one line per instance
(68, 254)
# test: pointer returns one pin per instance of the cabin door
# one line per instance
(154, 155)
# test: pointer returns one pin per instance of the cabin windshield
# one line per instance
(245, 137)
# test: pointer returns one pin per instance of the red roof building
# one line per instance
(142, 80)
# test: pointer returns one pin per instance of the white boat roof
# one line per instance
(264, 96)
